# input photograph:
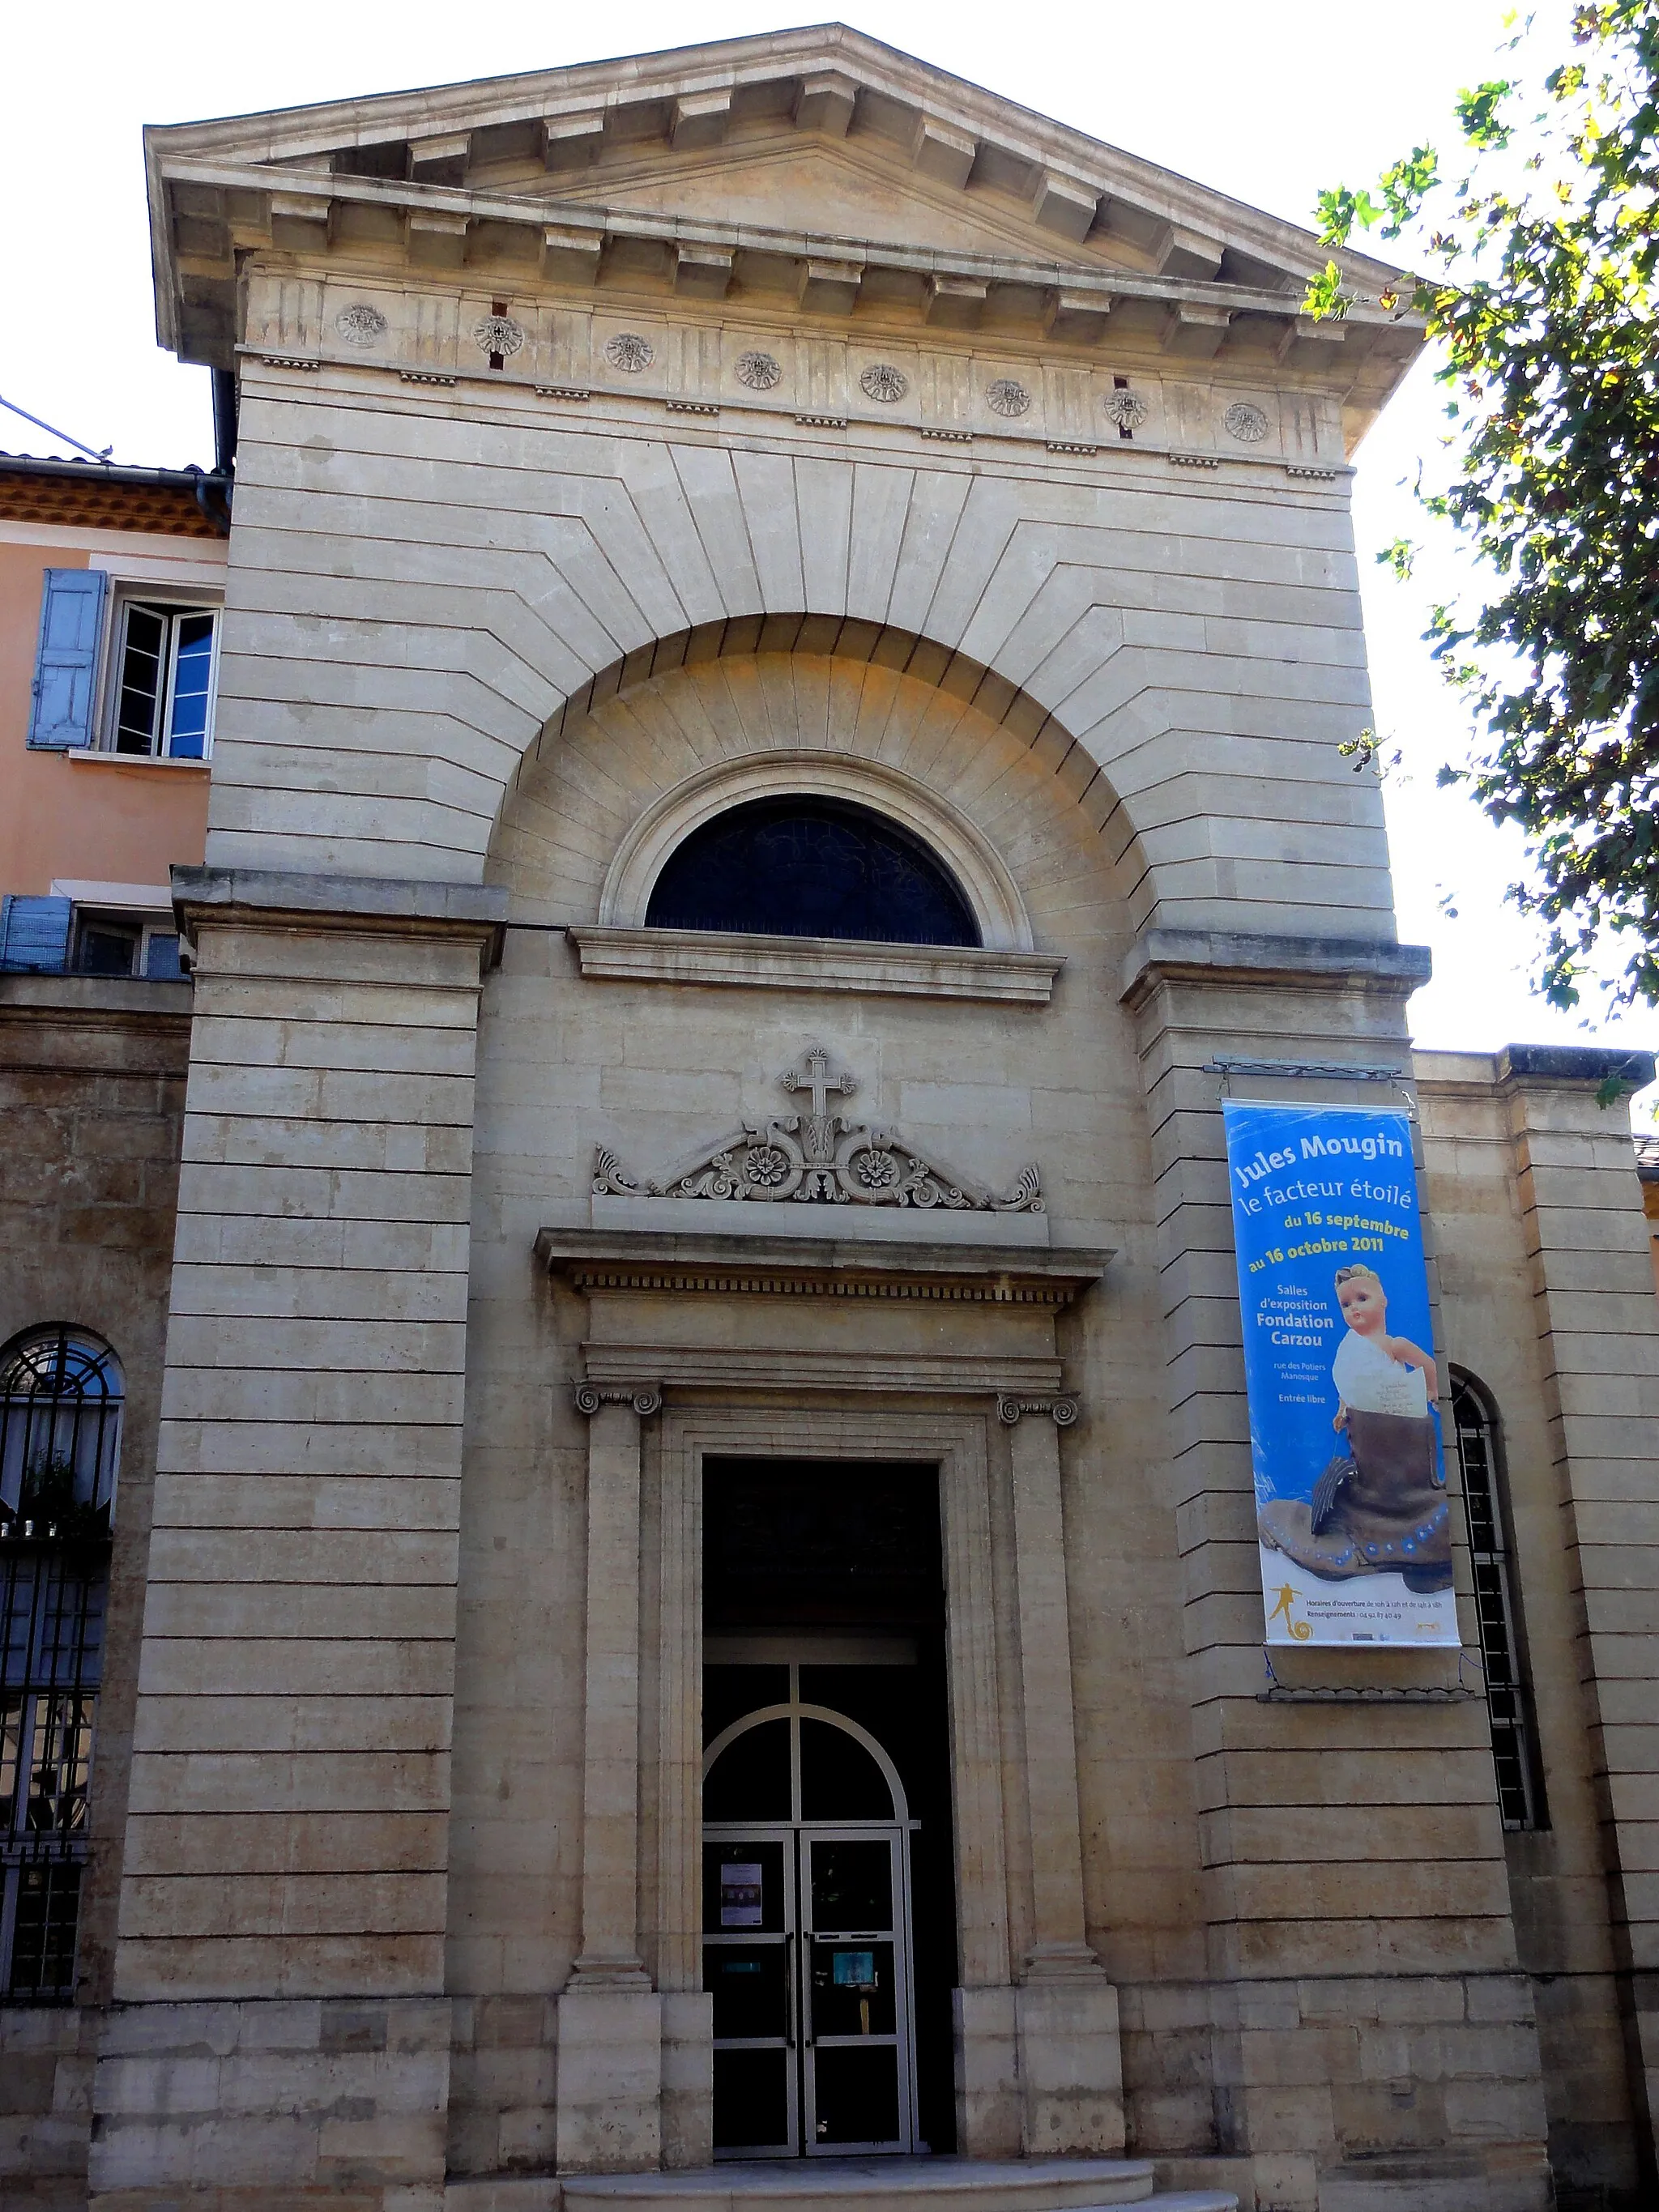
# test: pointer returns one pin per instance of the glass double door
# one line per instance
(806, 1955)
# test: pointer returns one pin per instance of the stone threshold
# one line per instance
(835, 2185)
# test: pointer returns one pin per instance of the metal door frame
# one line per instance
(897, 1830)
(897, 1833)
(764, 1832)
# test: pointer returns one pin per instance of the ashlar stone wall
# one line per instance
(92, 1082)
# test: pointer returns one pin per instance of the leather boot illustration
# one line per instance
(1381, 1511)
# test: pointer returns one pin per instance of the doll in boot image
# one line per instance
(1379, 1508)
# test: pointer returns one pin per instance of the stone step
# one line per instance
(890, 2185)
(542, 2192)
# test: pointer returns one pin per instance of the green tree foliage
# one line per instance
(1541, 238)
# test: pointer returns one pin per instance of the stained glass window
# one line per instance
(811, 867)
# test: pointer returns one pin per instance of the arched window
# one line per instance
(1514, 1740)
(60, 1399)
(799, 865)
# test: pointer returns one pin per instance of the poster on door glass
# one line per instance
(1351, 1517)
(740, 1895)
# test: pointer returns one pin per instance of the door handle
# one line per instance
(789, 1989)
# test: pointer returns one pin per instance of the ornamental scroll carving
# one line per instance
(819, 1158)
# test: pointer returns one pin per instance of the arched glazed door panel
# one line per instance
(807, 1937)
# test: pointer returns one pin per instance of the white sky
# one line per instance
(1267, 103)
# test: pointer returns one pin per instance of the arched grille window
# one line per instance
(1513, 1741)
(805, 866)
(61, 1399)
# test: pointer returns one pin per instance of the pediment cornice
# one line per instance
(526, 181)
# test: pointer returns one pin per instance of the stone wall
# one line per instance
(92, 1081)
(1499, 1132)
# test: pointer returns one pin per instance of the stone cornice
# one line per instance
(608, 1262)
(397, 906)
(800, 963)
(321, 191)
(834, 71)
(1552, 1065)
(1214, 956)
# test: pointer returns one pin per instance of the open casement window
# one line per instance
(61, 1400)
(1509, 1687)
(111, 944)
(163, 678)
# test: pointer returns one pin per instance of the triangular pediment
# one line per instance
(837, 190)
(818, 168)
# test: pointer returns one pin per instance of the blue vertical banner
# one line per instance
(1352, 1515)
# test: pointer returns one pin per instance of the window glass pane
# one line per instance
(749, 1780)
(161, 957)
(107, 948)
(60, 1763)
(143, 664)
(839, 1781)
(811, 867)
(60, 1433)
(187, 712)
(11, 1740)
(43, 1935)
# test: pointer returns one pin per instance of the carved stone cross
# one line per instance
(817, 1074)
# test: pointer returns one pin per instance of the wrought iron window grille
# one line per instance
(61, 1403)
(1509, 1689)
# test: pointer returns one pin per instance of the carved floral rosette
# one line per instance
(868, 1166)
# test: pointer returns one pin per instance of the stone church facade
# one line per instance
(685, 1586)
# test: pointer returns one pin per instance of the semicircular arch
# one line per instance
(623, 801)
(890, 1774)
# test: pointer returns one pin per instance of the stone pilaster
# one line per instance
(280, 2023)
(1588, 1248)
(610, 2076)
(1071, 2070)
(1363, 1961)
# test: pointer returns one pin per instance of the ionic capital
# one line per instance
(1064, 1408)
(645, 1398)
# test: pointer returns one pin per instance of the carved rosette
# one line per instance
(1245, 422)
(498, 334)
(759, 371)
(629, 352)
(360, 324)
(1126, 409)
(1008, 397)
(884, 382)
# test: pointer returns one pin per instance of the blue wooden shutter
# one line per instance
(35, 934)
(66, 662)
